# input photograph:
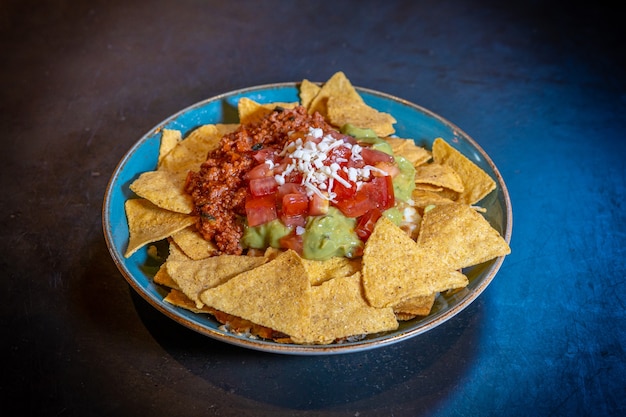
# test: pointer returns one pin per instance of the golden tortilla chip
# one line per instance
(416, 306)
(163, 278)
(252, 112)
(169, 139)
(396, 269)
(337, 266)
(191, 242)
(439, 176)
(339, 310)
(308, 91)
(423, 198)
(407, 148)
(343, 110)
(149, 223)
(476, 182)
(337, 85)
(195, 276)
(276, 294)
(164, 189)
(460, 236)
(192, 151)
(226, 128)
(179, 299)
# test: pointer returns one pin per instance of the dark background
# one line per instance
(539, 84)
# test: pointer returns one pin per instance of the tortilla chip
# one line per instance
(460, 236)
(337, 85)
(164, 189)
(407, 148)
(439, 176)
(395, 268)
(192, 151)
(337, 266)
(276, 294)
(149, 223)
(422, 198)
(169, 139)
(163, 278)
(416, 306)
(191, 242)
(226, 128)
(195, 276)
(252, 112)
(179, 299)
(339, 310)
(343, 110)
(308, 91)
(476, 182)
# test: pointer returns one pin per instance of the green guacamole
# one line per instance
(265, 235)
(330, 235)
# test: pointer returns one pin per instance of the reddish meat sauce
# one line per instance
(220, 188)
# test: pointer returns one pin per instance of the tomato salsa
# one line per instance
(273, 182)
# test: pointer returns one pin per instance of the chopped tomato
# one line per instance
(318, 205)
(366, 223)
(263, 186)
(293, 221)
(260, 171)
(343, 192)
(387, 169)
(295, 204)
(265, 154)
(340, 155)
(380, 191)
(373, 156)
(292, 241)
(260, 210)
(357, 205)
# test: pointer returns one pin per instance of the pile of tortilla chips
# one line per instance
(279, 295)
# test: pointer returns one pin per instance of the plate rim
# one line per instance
(295, 349)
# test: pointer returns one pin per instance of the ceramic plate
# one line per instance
(413, 121)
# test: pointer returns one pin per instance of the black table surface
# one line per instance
(538, 84)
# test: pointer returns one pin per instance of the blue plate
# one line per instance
(413, 121)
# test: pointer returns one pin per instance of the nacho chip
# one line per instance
(337, 85)
(407, 148)
(337, 266)
(342, 110)
(252, 112)
(149, 223)
(192, 151)
(439, 176)
(460, 236)
(396, 269)
(195, 276)
(164, 189)
(276, 294)
(422, 198)
(193, 244)
(308, 91)
(163, 278)
(416, 306)
(476, 182)
(179, 299)
(339, 310)
(169, 139)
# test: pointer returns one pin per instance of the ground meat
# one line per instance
(219, 189)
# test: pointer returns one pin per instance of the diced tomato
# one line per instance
(295, 204)
(357, 205)
(388, 169)
(293, 221)
(380, 191)
(318, 205)
(260, 210)
(343, 192)
(260, 171)
(340, 155)
(265, 154)
(366, 223)
(292, 241)
(373, 156)
(263, 186)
